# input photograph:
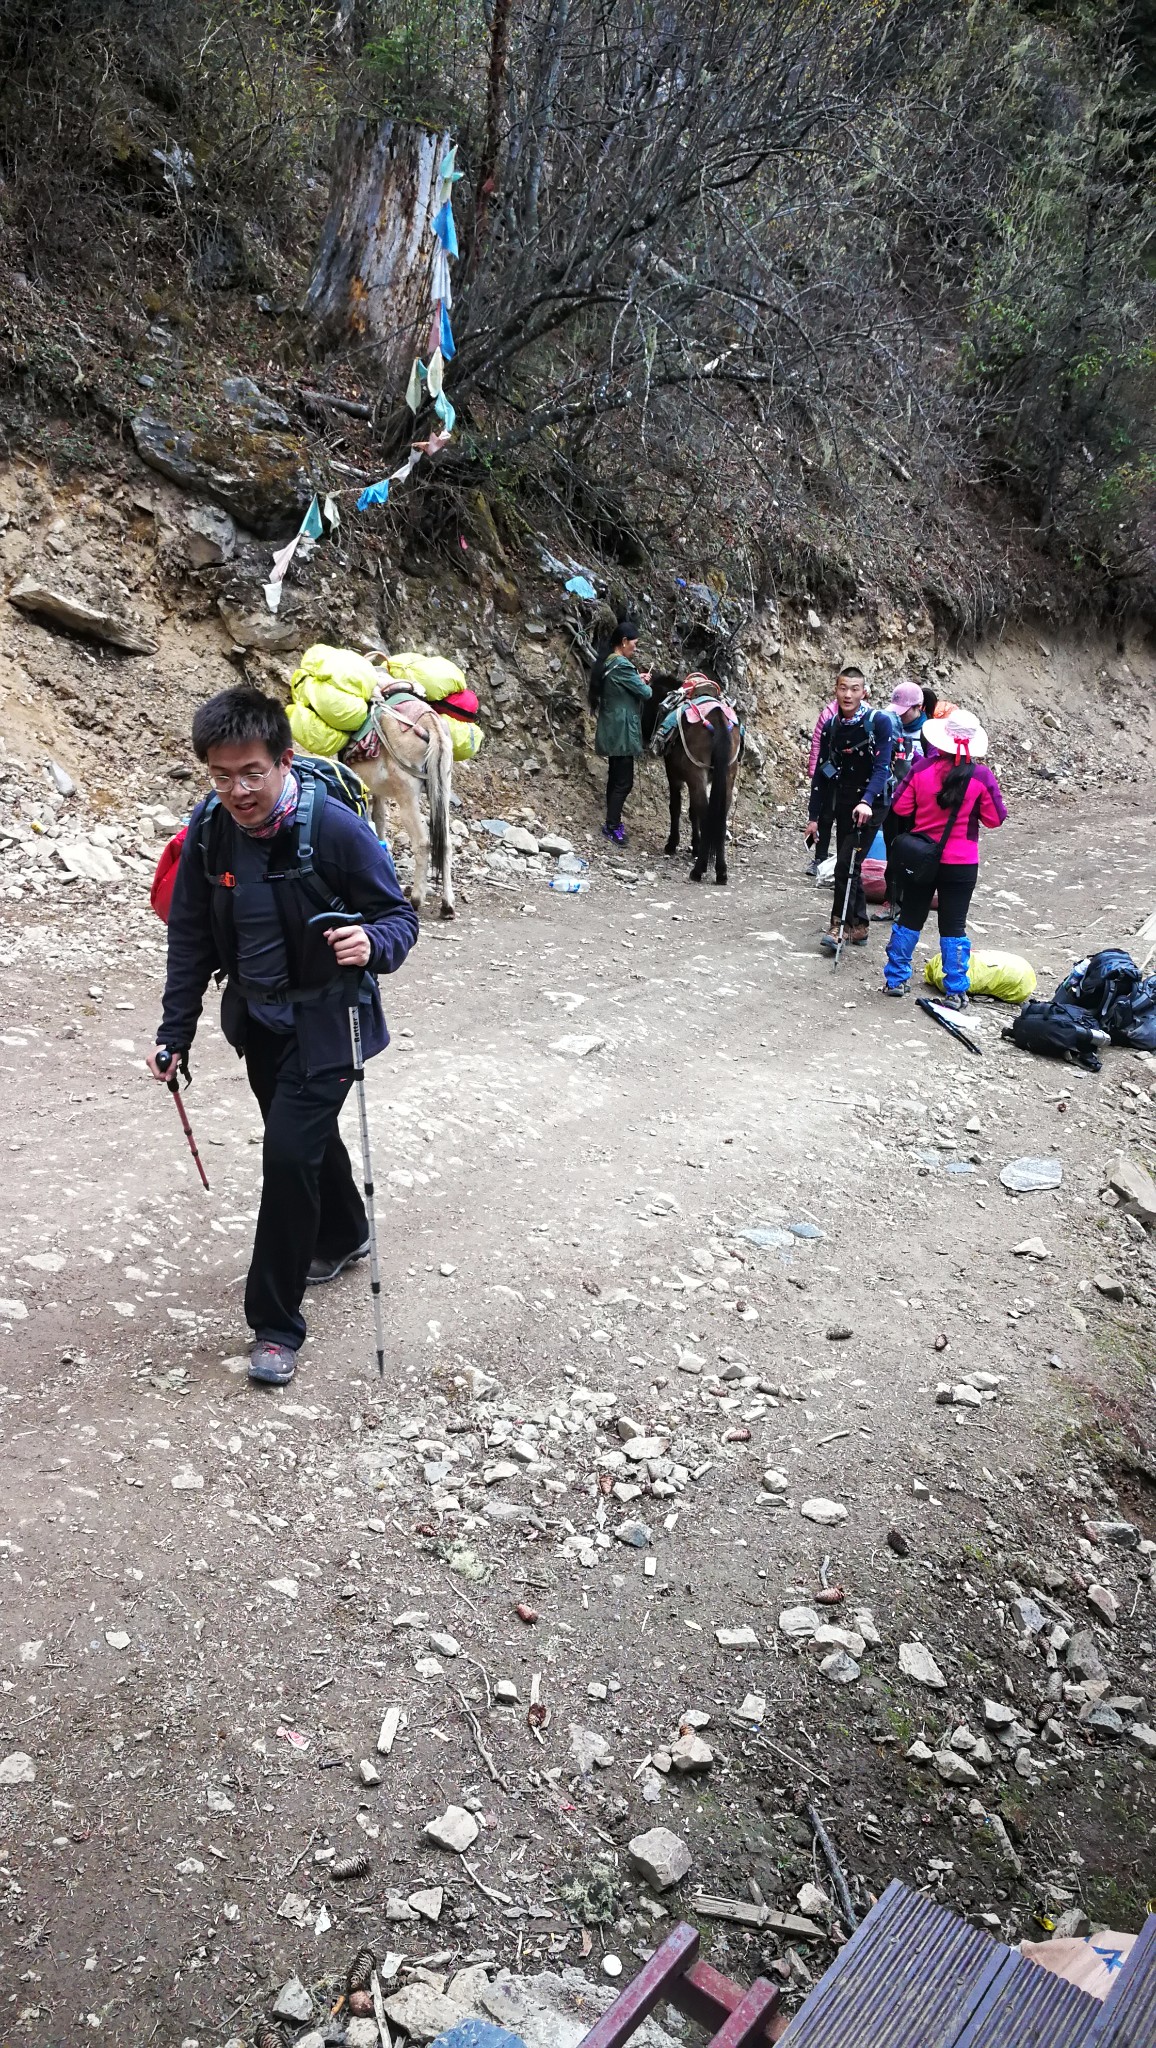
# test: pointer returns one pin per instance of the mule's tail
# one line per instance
(439, 774)
(720, 762)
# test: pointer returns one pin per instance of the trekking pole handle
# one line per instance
(165, 1060)
(351, 976)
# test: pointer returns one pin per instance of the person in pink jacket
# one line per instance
(950, 791)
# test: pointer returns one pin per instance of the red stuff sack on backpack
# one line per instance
(165, 878)
(461, 704)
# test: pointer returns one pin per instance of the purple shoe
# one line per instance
(615, 832)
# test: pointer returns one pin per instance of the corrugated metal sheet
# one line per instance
(1128, 2015)
(1031, 2008)
(910, 1977)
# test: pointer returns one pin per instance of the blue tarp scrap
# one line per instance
(478, 2034)
(581, 586)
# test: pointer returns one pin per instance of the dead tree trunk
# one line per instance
(371, 281)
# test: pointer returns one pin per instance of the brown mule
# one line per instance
(703, 760)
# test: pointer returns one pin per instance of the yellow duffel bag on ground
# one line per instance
(1007, 976)
(433, 674)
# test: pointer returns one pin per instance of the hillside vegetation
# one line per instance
(816, 302)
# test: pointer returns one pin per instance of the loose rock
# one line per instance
(660, 1857)
(421, 2012)
(825, 1512)
(454, 1829)
(293, 2002)
(916, 1662)
(955, 1769)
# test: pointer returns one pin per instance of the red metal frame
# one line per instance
(738, 2019)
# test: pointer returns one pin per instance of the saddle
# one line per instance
(693, 703)
(403, 702)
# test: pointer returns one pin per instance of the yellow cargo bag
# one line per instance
(311, 734)
(341, 668)
(1007, 976)
(433, 674)
(334, 687)
(467, 738)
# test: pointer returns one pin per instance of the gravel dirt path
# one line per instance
(211, 1596)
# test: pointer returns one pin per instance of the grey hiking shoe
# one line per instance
(321, 1271)
(272, 1365)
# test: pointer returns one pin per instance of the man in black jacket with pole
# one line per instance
(263, 855)
(853, 758)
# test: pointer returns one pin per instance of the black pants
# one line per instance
(892, 827)
(310, 1206)
(825, 821)
(956, 886)
(846, 831)
(619, 783)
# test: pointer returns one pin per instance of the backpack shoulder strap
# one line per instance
(210, 836)
(310, 807)
(310, 804)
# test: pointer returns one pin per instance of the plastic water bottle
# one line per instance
(569, 885)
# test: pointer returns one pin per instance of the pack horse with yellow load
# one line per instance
(397, 720)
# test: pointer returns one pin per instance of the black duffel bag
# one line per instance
(1060, 1031)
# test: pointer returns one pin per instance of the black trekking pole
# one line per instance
(852, 871)
(165, 1060)
(351, 982)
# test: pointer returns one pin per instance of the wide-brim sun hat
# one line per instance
(960, 733)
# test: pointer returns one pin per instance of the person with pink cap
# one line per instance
(908, 717)
(940, 807)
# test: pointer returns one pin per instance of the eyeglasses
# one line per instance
(224, 784)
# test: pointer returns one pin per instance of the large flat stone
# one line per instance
(262, 479)
(56, 608)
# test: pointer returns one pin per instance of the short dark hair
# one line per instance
(625, 629)
(849, 669)
(234, 717)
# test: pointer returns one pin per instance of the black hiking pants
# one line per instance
(892, 827)
(310, 1205)
(955, 884)
(619, 783)
(825, 821)
(846, 832)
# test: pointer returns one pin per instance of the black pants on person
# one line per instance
(310, 1205)
(956, 886)
(846, 833)
(826, 820)
(619, 783)
(891, 828)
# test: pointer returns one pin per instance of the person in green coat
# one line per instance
(617, 692)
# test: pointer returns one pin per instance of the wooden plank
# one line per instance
(747, 2024)
(743, 1914)
(657, 1979)
(705, 1995)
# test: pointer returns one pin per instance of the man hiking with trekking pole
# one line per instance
(284, 890)
(854, 753)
